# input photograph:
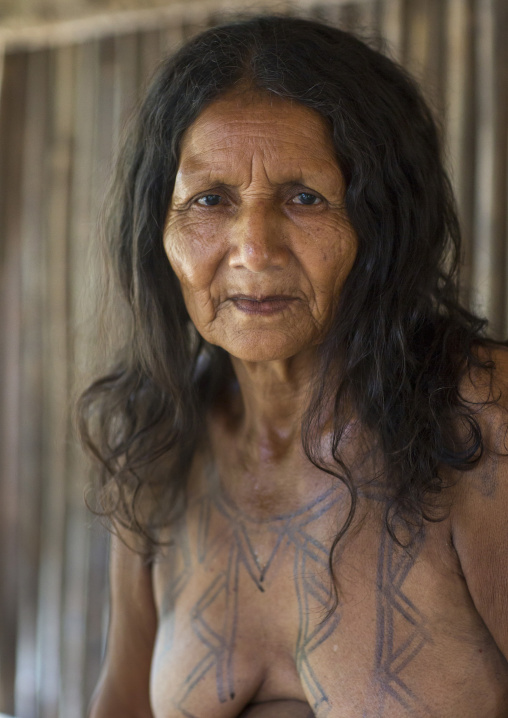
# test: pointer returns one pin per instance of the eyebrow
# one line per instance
(295, 175)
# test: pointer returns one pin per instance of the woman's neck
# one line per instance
(255, 435)
(271, 402)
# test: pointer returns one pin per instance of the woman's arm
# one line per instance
(480, 536)
(480, 512)
(123, 689)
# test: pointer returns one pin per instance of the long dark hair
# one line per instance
(400, 342)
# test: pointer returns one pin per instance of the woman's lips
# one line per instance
(262, 305)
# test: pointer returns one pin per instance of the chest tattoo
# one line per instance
(291, 532)
(228, 557)
(401, 632)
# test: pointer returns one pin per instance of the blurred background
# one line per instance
(70, 71)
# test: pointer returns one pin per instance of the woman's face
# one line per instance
(257, 232)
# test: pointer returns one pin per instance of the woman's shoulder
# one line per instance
(483, 418)
(484, 390)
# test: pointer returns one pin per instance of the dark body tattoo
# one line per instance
(310, 562)
(401, 628)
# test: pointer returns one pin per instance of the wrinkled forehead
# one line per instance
(282, 135)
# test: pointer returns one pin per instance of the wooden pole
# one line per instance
(102, 68)
(392, 25)
(33, 286)
(459, 121)
(483, 274)
(81, 341)
(11, 138)
(56, 388)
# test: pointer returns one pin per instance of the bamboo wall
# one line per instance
(66, 90)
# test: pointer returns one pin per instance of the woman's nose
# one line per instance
(257, 240)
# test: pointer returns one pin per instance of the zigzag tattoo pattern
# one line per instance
(307, 584)
(310, 560)
(401, 627)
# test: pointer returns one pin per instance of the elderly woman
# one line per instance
(303, 434)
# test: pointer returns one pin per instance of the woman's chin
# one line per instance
(261, 347)
(261, 356)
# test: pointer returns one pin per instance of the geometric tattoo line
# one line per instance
(220, 644)
(310, 561)
(307, 584)
(397, 646)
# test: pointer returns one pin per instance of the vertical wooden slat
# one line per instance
(11, 138)
(97, 605)
(502, 30)
(485, 280)
(377, 20)
(126, 82)
(31, 387)
(150, 54)
(191, 26)
(104, 119)
(327, 13)
(359, 18)
(505, 203)
(102, 54)
(171, 38)
(73, 699)
(459, 122)
(369, 17)
(348, 16)
(392, 25)
(55, 363)
(435, 60)
(367, 21)
(417, 37)
(501, 178)
(2, 65)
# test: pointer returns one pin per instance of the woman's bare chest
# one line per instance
(244, 609)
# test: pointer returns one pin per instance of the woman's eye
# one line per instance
(306, 198)
(209, 200)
